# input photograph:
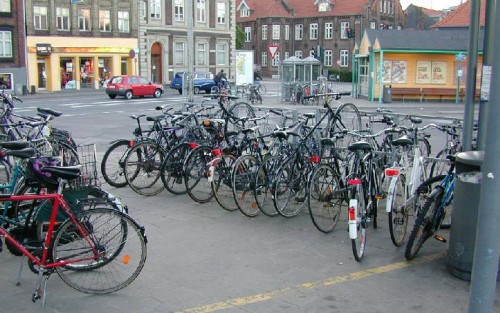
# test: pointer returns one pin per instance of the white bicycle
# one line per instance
(407, 173)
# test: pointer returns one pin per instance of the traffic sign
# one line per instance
(273, 49)
(460, 57)
(131, 53)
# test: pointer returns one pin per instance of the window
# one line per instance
(40, 17)
(123, 22)
(328, 30)
(264, 32)
(5, 44)
(343, 30)
(244, 12)
(276, 32)
(328, 58)
(287, 32)
(276, 60)
(313, 31)
(84, 20)
(221, 13)
(201, 11)
(155, 9)
(142, 10)
(202, 54)
(221, 53)
(179, 53)
(287, 55)
(62, 18)
(179, 10)
(298, 54)
(5, 6)
(104, 20)
(299, 31)
(344, 58)
(264, 59)
(248, 34)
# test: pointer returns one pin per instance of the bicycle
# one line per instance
(433, 212)
(95, 251)
(405, 176)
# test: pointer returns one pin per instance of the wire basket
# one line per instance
(87, 158)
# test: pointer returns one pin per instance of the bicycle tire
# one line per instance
(127, 248)
(221, 184)
(5, 174)
(359, 244)
(111, 167)
(350, 116)
(243, 181)
(440, 168)
(324, 208)
(424, 226)
(172, 171)
(242, 109)
(264, 182)
(196, 174)
(290, 187)
(146, 158)
(398, 215)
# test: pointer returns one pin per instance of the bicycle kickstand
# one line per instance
(19, 274)
(41, 286)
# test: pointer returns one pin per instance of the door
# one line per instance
(156, 63)
(42, 74)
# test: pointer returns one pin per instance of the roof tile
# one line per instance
(461, 16)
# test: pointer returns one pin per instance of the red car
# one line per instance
(129, 86)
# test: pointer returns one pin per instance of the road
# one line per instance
(204, 259)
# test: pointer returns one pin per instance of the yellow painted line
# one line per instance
(238, 302)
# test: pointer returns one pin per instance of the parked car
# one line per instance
(203, 81)
(129, 86)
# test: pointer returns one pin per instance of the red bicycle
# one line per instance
(95, 251)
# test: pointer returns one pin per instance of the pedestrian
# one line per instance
(219, 79)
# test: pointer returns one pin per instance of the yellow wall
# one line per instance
(411, 70)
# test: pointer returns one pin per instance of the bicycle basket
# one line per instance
(36, 177)
(88, 161)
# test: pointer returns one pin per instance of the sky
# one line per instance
(431, 4)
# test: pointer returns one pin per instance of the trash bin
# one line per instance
(387, 94)
(466, 198)
(33, 89)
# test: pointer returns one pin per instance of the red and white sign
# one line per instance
(273, 49)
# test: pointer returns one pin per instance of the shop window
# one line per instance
(6, 81)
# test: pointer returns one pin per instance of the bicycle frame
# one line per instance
(44, 260)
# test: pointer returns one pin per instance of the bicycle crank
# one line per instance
(440, 238)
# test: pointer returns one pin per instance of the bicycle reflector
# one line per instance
(353, 230)
(131, 143)
(392, 172)
(354, 181)
(193, 145)
(216, 151)
(314, 159)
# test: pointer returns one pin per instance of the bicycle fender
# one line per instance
(118, 140)
(390, 194)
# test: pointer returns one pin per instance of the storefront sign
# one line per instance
(43, 49)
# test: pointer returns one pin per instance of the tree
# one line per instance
(240, 37)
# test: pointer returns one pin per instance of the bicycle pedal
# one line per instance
(440, 238)
(381, 196)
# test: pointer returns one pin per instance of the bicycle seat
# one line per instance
(46, 111)
(280, 134)
(360, 146)
(155, 118)
(15, 145)
(249, 130)
(402, 141)
(21, 153)
(327, 142)
(64, 172)
(416, 120)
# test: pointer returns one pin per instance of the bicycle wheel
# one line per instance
(172, 171)
(262, 89)
(107, 258)
(324, 206)
(242, 109)
(264, 182)
(244, 171)
(349, 117)
(290, 187)
(359, 243)
(5, 173)
(196, 174)
(398, 215)
(221, 182)
(424, 226)
(440, 168)
(142, 168)
(112, 164)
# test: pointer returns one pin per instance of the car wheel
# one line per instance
(128, 94)
(180, 91)
(157, 93)
(196, 90)
(112, 96)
